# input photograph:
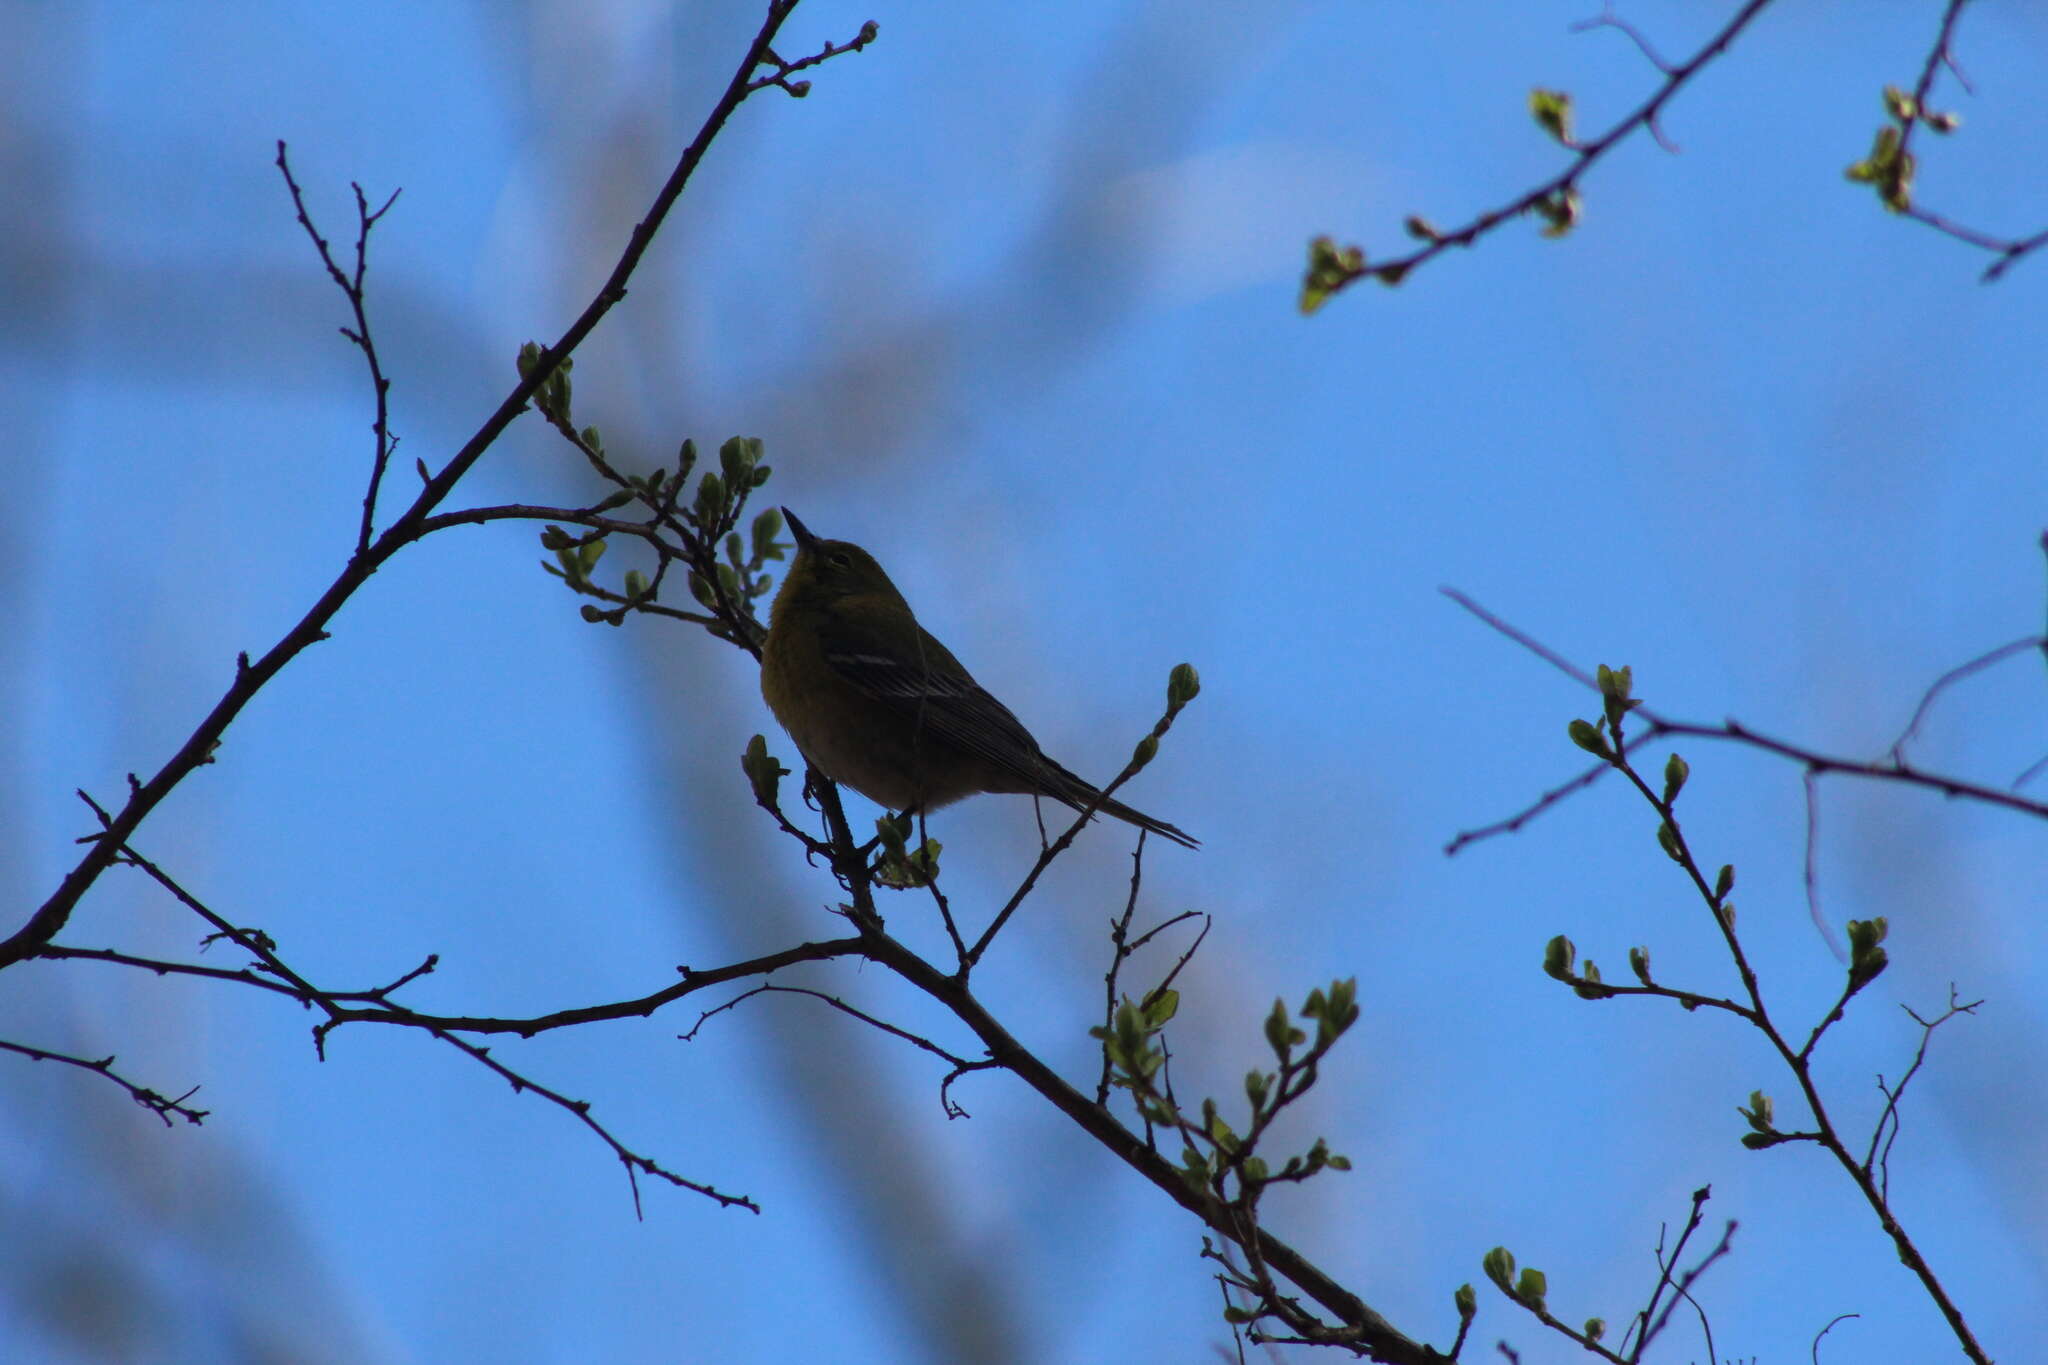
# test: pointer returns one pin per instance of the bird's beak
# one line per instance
(804, 539)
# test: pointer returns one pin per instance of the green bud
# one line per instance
(1866, 960)
(1147, 749)
(1676, 770)
(1466, 1301)
(764, 772)
(1499, 1265)
(1280, 1034)
(636, 583)
(1639, 963)
(1183, 685)
(1944, 122)
(686, 459)
(590, 553)
(529, 356)
(1724, 882)
(1256, 1085)
(1595, 1329)
(767, 526)
(1531, 1288)
(1560, 211)
(1667, 839)
(1558, 957)
(710, 495)
(555, 538)
(735, 461)
(1422, 229)
(1899, 104)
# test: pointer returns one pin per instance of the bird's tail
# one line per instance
(1080, 794)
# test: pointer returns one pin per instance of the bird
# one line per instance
(874, 701)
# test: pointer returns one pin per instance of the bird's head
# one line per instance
(830, 571)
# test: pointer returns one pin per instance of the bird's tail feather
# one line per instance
(1080, 794)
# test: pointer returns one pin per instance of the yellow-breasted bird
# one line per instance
(878, 704)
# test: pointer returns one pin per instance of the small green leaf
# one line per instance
(1588, 737)
(1531, 1288)
(1552, 110)
(1330, 268)
(1499, 1265)
(1899, 104)
(1159, 1008)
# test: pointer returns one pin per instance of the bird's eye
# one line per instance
(839, 559)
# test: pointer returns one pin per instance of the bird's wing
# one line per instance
(944, 697)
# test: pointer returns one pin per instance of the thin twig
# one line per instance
(163, 1106)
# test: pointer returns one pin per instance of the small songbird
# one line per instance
(878, 704)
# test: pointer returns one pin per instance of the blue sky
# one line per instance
(1010, 298)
